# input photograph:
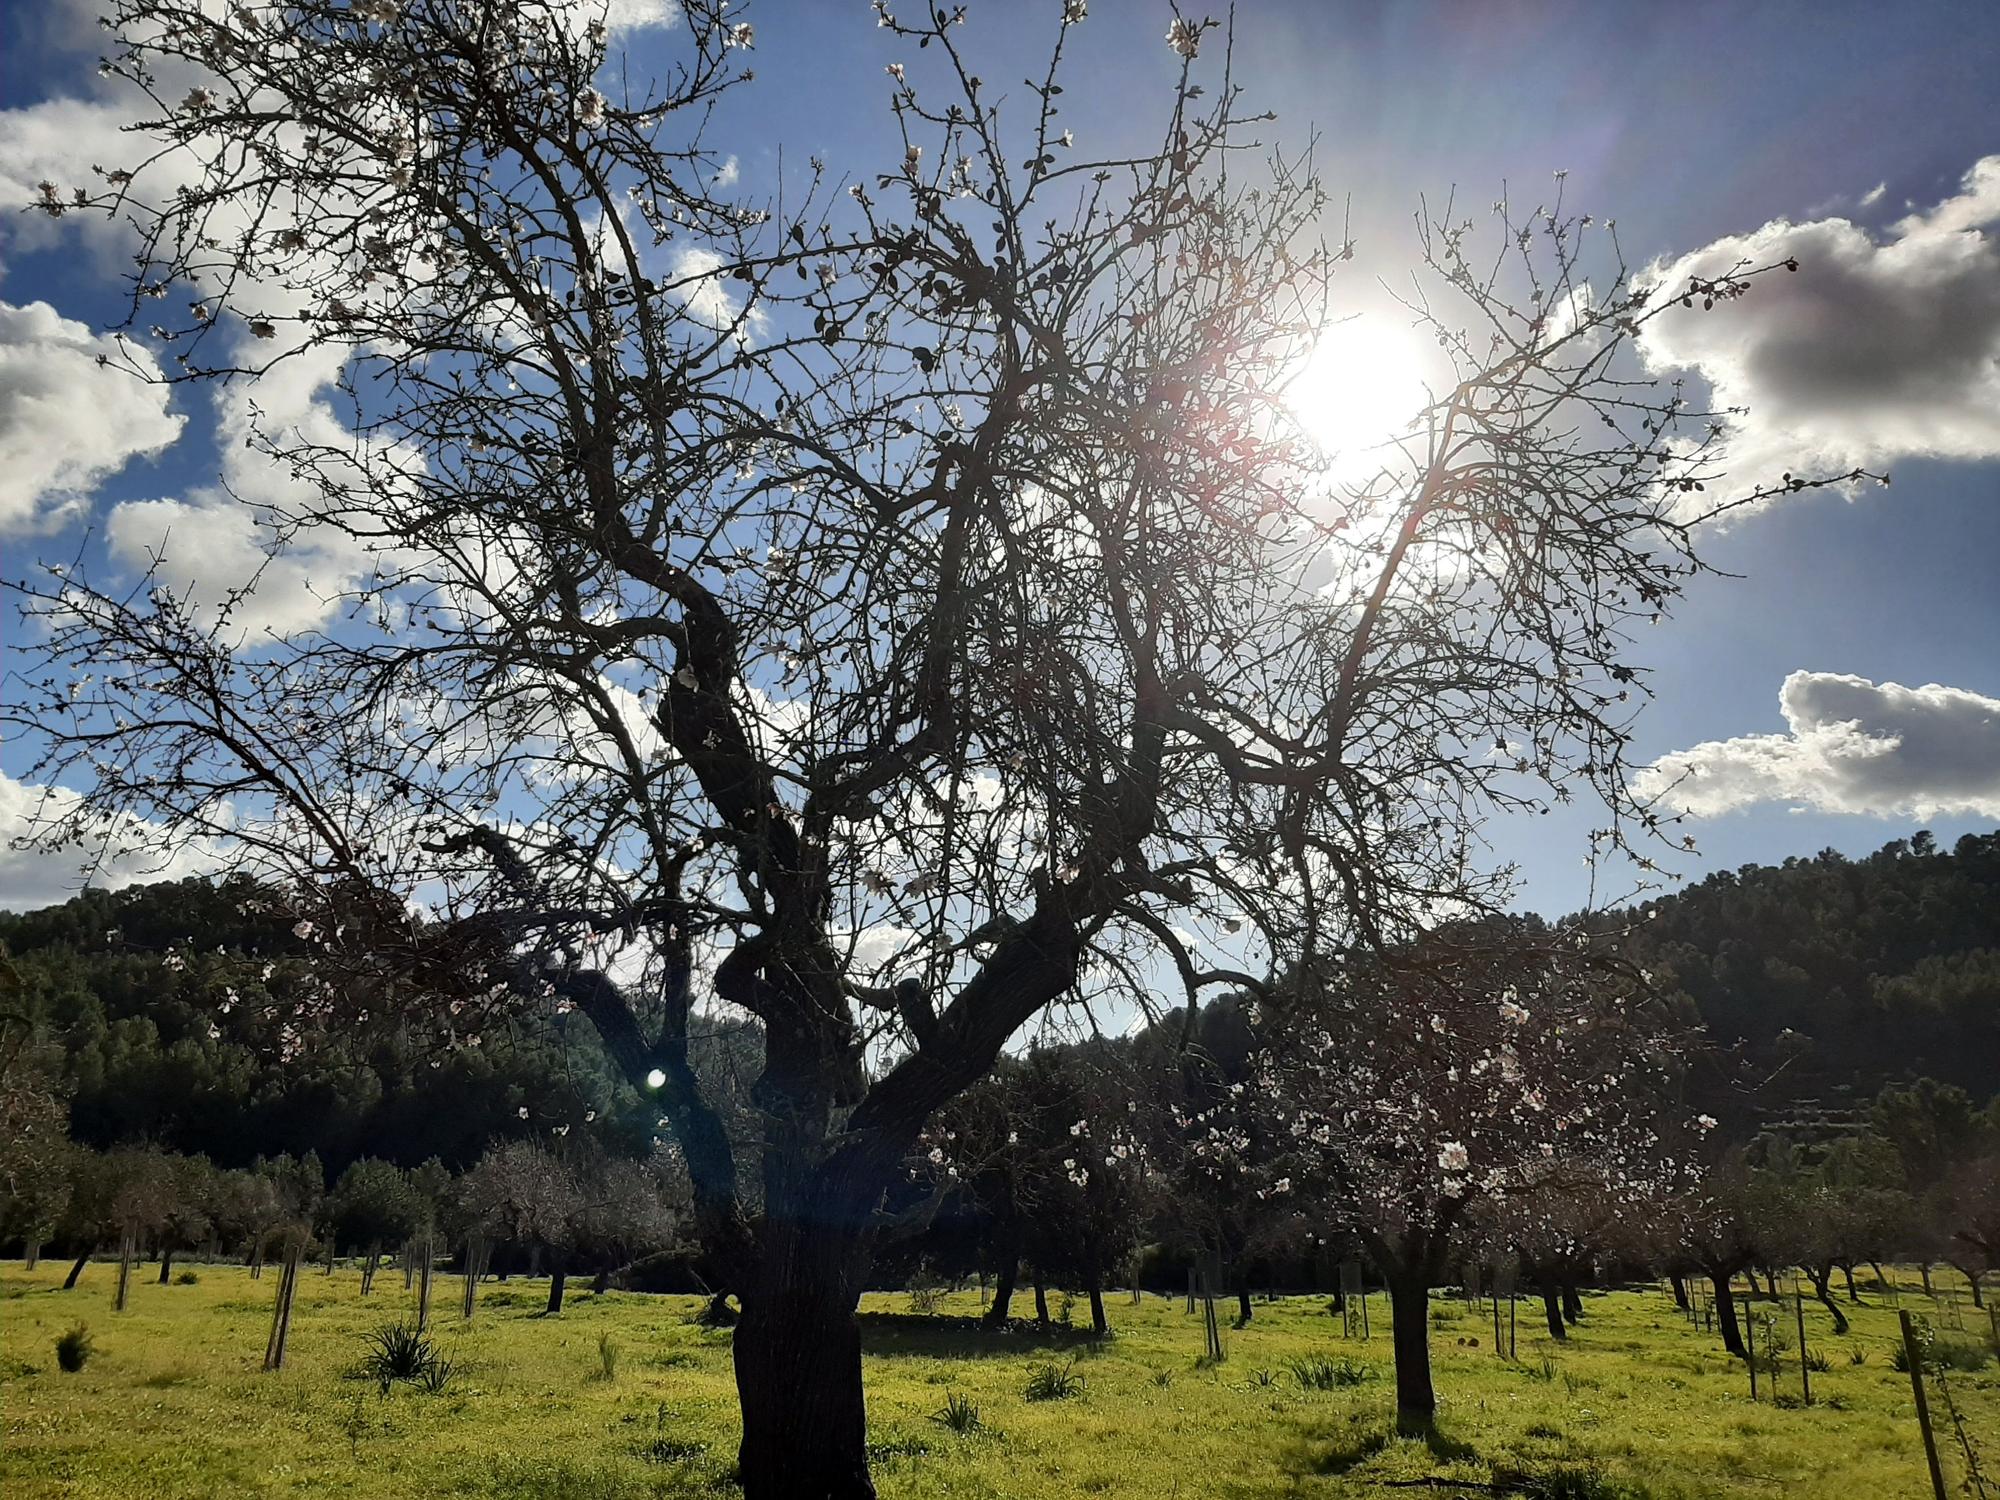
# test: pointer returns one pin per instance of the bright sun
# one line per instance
(1360, 386)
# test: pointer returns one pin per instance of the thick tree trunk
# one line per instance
(1003, 1293)
(1680, 1287)
(1409, 1320)
(1242, 1305)
(166, 1266)
(1847, 1274)
(1725, 1316)
(1099, 1324)
(33, 1253)
(1041, 1300)
(1572, 1301)
(69, 1281)
(798, 1380)
(1822, 1280)
(1552, 1310)
(558, 1279)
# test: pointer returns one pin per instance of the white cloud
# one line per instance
(113, 855)
(701, 288)
(1875, 351)
(1851, 746)
(67, 423)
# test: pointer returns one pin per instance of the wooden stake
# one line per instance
(1805, 1372)
(1750, 1343)
(424, 1283)
(125, 1249)
(1914, 1356)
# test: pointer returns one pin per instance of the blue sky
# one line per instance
(1862, 127)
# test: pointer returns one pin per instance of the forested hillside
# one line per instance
(161, 1009)
(1841, 975)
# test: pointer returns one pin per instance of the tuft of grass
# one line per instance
(1263, 1377)
(607, 1357)
(187, 1278)
(1316, 1372)
(1054, 1382)
(958, 1413)
(1817, 1361)
(400, 1352)
(73, 1349)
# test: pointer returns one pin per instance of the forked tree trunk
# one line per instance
(1409, 1323)
(76, 1270)
(1725, 1315)
(368, 1267)
(1003, 1292)
(798, 1378)
(166, 1266)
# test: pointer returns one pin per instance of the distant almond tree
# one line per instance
(894, 604)
(1495, 1071)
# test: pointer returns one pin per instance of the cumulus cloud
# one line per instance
(67, 423)
(113, 855)
(1878, 349)
(1850, 746)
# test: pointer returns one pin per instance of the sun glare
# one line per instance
(1361, 386)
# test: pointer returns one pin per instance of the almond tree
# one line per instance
(890, 606)
(1480, 1066)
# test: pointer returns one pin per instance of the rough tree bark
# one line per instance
(1409, 1322)
(1725, 1314)
(76, 1270)
(1552, 1309)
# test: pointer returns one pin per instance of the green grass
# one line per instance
(173, 1404)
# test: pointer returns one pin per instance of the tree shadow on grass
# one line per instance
(1338, 1453)
(930, 1336)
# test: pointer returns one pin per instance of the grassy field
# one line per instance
(172, 1403)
